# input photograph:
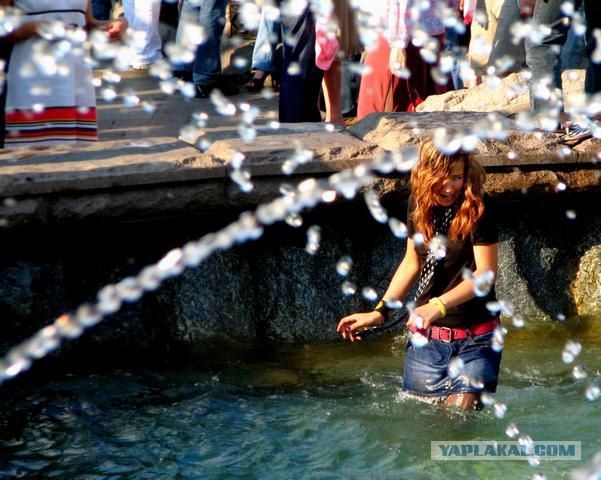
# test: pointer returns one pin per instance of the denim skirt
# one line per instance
(438, 369)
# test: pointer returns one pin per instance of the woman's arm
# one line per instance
(400, 284)
(405, 275)
(25, 31)
(485, 257)
(114, 28)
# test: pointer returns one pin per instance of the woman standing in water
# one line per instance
(450, 229)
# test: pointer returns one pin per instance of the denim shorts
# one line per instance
(427, 372)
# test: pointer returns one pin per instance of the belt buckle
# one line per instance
(446, 329)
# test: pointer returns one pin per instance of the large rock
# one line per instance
(587, 284)
(509, 95)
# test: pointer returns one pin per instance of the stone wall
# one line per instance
(272, 291)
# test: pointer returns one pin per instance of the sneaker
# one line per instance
(576, 133)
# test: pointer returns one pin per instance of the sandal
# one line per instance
(576, 133)
(256, 83)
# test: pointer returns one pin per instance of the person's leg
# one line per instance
(143, 17)
(573, 53)
(451, 47)
(101, 9)
(375, 90)
(206, 68)
(543, 58)
(482, 30)
(301, 79)
(332, 84)
(592, 11)
(504, 50)
(268, 36)
(188, 16)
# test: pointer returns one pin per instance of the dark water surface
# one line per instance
(313, 411)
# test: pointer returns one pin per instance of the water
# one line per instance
(313, 411)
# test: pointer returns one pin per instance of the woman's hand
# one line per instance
(397, 60)
(349, 326)
(422, 317)
(116, 28)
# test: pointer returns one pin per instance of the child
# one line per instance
(446, 207)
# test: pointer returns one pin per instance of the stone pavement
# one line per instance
(140, 167)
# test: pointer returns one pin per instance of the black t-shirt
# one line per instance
(447, 273)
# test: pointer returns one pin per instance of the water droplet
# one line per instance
(498, 339)
(313, 239)
(398, 228)
(222, 105)
(518, 321)
(571, 214)
(294, 69)
(369, 294)
(500, 409)
(507, 308)
(375, 208)
(247, 132)
(526, 443)
(108, 94)
(294, 220)
(348, 288)
(68, 327)
(241, 177)
(438, 246)
(482, 283)
(328, 196)
(571, 351)
(240, 62)
(418, 239)
(187, 89)
(344, 265)
(149, 107)
(108, 300)
(267, 93)
(129, 290)
(578, 372)
(455, 367)
(493, 307)
(560, 187)
(512, 430)
(418, 340)
(592, 392)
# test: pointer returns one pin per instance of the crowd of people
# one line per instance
(408, 50)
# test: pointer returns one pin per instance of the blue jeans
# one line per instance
(101, 9)
(451, 45)
(210, 15)
(264, 51)
(426, 371)
(544, 60)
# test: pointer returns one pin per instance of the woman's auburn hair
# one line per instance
(433, 166)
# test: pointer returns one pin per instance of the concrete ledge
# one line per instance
(149, 177)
